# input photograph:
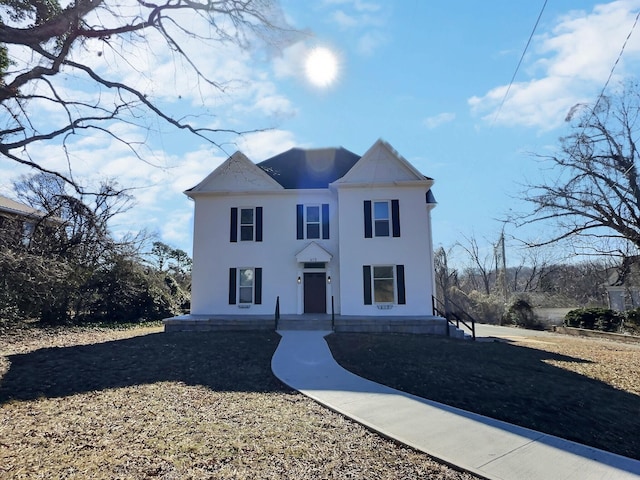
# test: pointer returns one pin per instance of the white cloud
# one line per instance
(358, 5)
(249, 99)
(369, 43)
(362, 21)
(440, 119)
(344, 20)
(259, 146)
(568, 65)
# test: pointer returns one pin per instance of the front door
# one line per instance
(315, 292)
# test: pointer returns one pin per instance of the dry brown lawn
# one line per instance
(136, 404)
(582, 389)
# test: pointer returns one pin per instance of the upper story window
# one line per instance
(381, 218)
(312, 221)
(246, 224)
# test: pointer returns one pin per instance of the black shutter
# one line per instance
(366, 280)
(402, 299)
(232, 286)
(395, 217)
(367, 219)
(258, 224)
(300, 221)
(325, 221)
(233, 232)
(257, 286)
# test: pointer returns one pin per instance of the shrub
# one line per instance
(632, 321)
(603, 319)
(520, 313)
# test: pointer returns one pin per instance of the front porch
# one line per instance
(428, 325)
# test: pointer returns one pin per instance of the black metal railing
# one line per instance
(277, 312)
(333, 315)
(454, 315)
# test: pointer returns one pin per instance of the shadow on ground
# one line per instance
(500, 380)
(221, 361)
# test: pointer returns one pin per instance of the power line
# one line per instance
(519, 63)
(606, 84)
(624, 45)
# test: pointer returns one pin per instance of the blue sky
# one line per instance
(427, 76)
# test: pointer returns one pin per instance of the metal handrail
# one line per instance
(333, 315)
(454, 318)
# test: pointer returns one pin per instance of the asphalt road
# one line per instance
(483, 331)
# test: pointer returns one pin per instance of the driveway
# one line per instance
(484, 330)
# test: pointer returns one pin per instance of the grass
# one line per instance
(583, 390)
(137, 403)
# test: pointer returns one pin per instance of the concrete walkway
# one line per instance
(483, 446)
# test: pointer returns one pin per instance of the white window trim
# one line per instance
(306, 222)
(240, 224)
(240, 303)
(383, 305)
(388, 219)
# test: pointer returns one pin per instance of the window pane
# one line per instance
(381, 210)
(313, 230)
(246, 232)
(246, 277)
(383, 272)
(383, 290)
(246, 294)
(246, 216)
(382, 228)
(313, 214)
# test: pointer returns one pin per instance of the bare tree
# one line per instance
(446, 277)
(592, 195)
(83, 233)
(534, 265)
(481, 272)
(44, 43)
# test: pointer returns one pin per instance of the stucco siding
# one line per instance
(344, 263)
(214, 254)
(412, 250)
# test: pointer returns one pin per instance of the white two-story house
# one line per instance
(318, 231)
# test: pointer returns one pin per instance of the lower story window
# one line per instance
(245, 288)
(383, 284)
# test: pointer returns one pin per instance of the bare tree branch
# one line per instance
(39, 44)
(595, 193)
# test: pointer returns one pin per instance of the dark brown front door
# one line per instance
(315, 292)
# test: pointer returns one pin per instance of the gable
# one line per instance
(311, 168)
(313, 253)
(236, 174)
(382, 164)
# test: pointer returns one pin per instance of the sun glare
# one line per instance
(321, 67)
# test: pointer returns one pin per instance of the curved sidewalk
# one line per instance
(481, 445)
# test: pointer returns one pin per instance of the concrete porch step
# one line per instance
(304, 324)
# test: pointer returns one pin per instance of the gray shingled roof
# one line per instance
(17, 208)
(316, 168)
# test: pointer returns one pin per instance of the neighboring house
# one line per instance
(322, 230)
(17, 222)
(623, 285)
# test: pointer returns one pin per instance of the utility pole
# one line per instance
(505, 288)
